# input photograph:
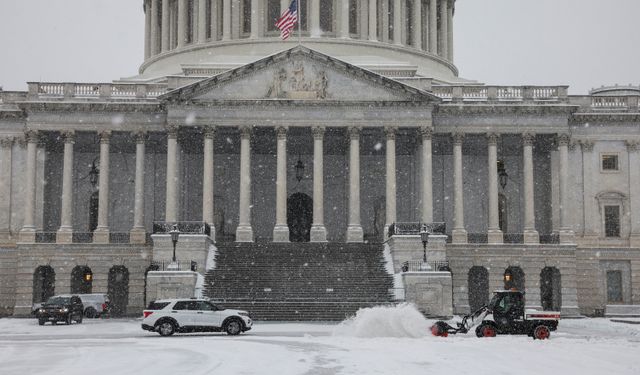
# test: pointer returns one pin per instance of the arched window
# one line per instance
(550, 289)
(118, 289)
(514, 279)
(44, 280)
(81, 280)
(478, 283)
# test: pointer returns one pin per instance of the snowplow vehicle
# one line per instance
(504, 315)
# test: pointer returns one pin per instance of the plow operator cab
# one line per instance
(505, 314)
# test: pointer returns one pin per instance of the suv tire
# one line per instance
(233, 327)
(90, 312)
(41, 322)
(166, 327)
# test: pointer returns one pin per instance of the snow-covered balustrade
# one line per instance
(119, 91)
(420, 266)
(482, 93)
(615, 102)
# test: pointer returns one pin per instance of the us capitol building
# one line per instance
(334, 146)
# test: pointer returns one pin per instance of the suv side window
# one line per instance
(205, 306)
(181, 305)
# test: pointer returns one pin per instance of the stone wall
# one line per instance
(8, 263)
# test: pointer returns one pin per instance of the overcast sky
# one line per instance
(581, 43)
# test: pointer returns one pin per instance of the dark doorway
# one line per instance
(81, 280)
(550, 289)
(514, 279)
(44, 281)
(299, 217)
(118, 290)
(478, 287)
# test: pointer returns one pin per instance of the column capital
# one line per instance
(105, 136)
(140, 136)
(528, 138)
(172, 131)
(6, 141)
(426, 132)
(587, 146)
(390, 132)
(32, 136)
(209, 132)
(493, 138)
(563, 139)
(69, 136)
(633, 145)
(354, 132)
(457, 138)
(245, 131)
(318, 132)
(281, 132)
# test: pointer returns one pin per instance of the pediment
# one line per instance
(298, 74)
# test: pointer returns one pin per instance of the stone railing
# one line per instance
(502, 93)
(117, 91)
(622, 103)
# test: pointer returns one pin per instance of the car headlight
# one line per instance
(41, 310)
(65, 310)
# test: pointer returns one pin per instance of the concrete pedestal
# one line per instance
(171, 284)
(318, 233)
(190, 247)
(431, 292)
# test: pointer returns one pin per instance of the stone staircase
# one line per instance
(299, 281)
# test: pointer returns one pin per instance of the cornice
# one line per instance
(298, 103)
(499, 108)
(90, 107)
(579, 118)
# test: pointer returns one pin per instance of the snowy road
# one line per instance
(587, 346)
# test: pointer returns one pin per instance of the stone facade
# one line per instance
(361, 126)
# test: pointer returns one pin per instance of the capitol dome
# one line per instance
(396, 38)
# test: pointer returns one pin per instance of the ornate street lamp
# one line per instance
(424, 236)
(175, 233)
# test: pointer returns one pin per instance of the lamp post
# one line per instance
(175, 233)
(424, 236)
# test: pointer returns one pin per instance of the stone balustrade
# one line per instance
(477, 93)
(631, 103)
(119, 91)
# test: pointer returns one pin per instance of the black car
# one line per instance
(61, 309)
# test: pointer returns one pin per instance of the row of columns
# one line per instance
(160, 25)
(244, 232)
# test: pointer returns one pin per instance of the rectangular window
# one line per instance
(326, 16)
(614, 287)
(409, 20)
(273, 14)
(353, 17)
(246, 16)
(190, 22)
(612, 221)
(208, 18)
(610, 162)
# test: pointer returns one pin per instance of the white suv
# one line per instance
(193, 315)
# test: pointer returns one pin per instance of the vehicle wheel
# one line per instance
(166, 328)
(90, 312)
(541, 333)
(233, 327)
(41, 322)
(486, 330)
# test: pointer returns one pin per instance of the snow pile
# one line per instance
(403, 320)
(211, 257)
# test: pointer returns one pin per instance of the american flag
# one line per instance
(288, 20)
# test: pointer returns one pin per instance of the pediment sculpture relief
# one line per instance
(295, 82)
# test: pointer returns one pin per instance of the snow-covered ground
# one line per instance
(380, 341)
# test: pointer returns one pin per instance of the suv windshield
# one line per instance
(58, 300)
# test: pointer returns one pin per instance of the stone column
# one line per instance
(226, 19)
(373, 20)
(244, 232)
(101, 234)
(202, 21)
(444, 27)
(433, 27)
(171, 206)
(6, 145)
(567, 234)
(28, 231)
(138, 234)
(281, 230)
(530, 234)
(183, 6)
(417, 24)
(459, 233)
(343, 26)
(147, 29)
(495, 235)
(155, 37)
(390, 210)
(314, 18)
(426, 133)
(634, 191)
(65, 232)
(450, 31)
(354, 229)
(397, 22)
(164, 28)
(208, 213)
(591, 216)
(318, 230)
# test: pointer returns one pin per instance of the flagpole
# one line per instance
(299, 24)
